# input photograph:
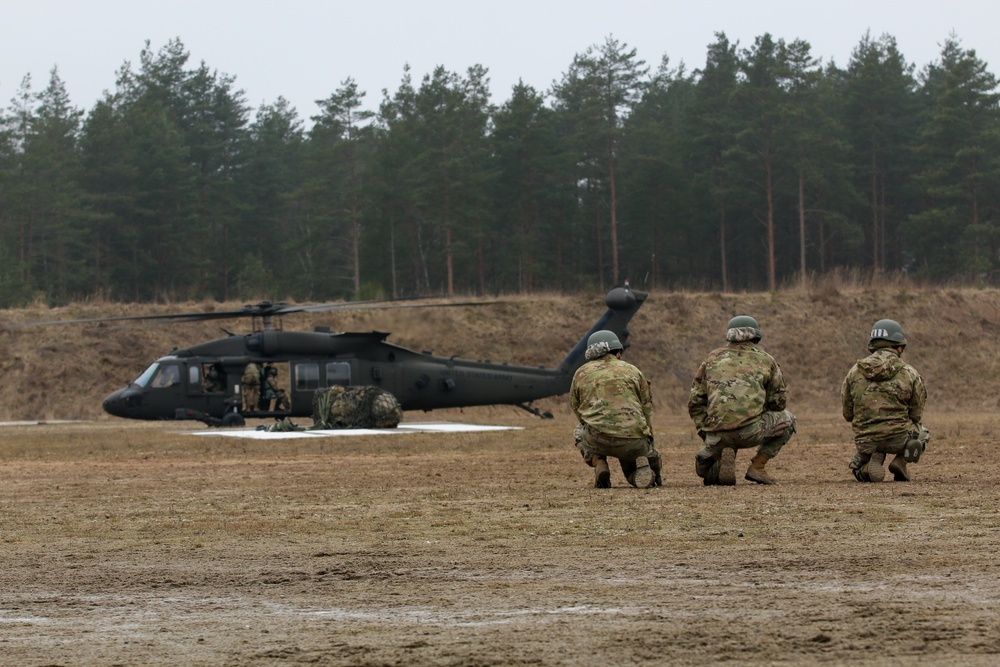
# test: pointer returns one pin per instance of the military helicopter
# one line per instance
(175, 386)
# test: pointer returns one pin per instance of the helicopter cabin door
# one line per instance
(206, 387)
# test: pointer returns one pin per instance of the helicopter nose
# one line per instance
(122, 403)
(113, 403)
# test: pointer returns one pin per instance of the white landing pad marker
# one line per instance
(412, 427)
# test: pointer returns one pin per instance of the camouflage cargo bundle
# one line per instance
(355, 407)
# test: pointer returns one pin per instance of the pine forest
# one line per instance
(761, 168)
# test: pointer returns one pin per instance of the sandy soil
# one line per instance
(132, 544)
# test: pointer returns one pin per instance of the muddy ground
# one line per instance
(129, 544)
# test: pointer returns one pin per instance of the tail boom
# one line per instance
(623, 303)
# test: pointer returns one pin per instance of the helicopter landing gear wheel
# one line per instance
(232, 419)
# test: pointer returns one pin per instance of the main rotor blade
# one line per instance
(327, 307)
(262, 309)
(176, 317)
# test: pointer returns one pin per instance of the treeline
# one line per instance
(760, 168)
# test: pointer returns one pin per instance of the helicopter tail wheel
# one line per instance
(232, 419)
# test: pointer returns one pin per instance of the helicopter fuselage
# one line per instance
(176, 386)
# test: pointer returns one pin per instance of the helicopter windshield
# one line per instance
(168, 376)
(143, 378)
(164, 372)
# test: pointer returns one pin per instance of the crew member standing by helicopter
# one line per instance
(271, 391)
(614, 404)
(251, 387)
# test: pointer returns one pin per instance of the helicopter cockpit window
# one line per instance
(194, 376)
(338, 373)
(168, 376)
(306, 377)
(143, 378)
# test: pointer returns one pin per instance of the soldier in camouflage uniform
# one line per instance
(883, 397)
(737, 401)
(215, 379)
(251, 387)
(270, 390)
(613, 403)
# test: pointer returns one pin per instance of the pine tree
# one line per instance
(659, 236)
(338, 162)
(880, 114)
(598, 93)
(274, 172)
(45, 216)
(957, 233)
(521, 139)
(714, 125)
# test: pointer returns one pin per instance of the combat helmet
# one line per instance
(743, 328)
(602, 342)
(886, 333)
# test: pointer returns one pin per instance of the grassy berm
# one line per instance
(148, 544)
(63, 372)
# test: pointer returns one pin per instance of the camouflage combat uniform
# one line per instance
(883, 397)
(737, 401)
(271, 391)
(251, 387)
(215, 381)
(613, 402)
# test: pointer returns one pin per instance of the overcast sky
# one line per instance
(303, 50)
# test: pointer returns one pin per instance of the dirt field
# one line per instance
(137, 543)
(130, 544)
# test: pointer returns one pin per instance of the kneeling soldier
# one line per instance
(737, 401)
(613, 403)
(883, 397)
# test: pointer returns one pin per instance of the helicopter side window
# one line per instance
(306, 377)
(168, 376)
(194, 376)
(338, 373)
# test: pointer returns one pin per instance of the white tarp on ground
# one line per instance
(411, 427)
(44, 422)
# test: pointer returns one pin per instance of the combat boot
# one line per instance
(875, 468)
(655, 465)
(898, 469)
(756, 472)
(602, 474)
(712, 476)
(643, 477)
(727, 467)
(704, 463)
(628, 470)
